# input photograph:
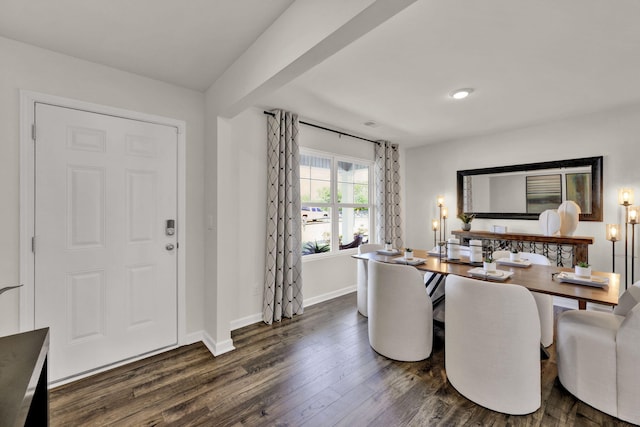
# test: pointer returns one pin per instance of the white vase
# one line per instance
(408, 255)
(514, 256)
(549, 222)
(583, 271)
(489, 267)
(388, 247)
(569, 212)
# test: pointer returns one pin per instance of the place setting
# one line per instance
(582, 276)
(489, 271)
(408, 258)
(514, 260)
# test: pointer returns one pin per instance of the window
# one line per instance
(336, 208)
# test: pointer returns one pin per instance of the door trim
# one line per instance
(28, 99)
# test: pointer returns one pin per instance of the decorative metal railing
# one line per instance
(563, 251)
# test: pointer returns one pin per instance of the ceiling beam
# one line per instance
(306, 34)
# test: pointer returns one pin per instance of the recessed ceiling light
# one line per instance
(461, 93)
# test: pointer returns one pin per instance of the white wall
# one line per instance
(245, 248)
(612, 134)
(31, 68)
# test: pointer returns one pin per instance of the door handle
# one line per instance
(170, 247)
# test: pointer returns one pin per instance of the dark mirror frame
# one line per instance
(596, 186)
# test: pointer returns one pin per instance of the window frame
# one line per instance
(334, 206)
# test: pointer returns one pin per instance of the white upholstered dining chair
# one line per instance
(363, 276)
(599, 356)
(400, 312)
(492, 344)
(544, 302)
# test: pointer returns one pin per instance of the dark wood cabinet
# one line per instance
(24, 395)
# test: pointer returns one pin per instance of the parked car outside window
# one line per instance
(313, 214)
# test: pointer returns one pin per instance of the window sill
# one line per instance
(336, 254)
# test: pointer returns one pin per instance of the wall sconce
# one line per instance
(613, 235)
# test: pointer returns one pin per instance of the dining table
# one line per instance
(537, 278)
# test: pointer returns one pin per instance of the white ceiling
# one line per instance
(529, 61)
(189, 43)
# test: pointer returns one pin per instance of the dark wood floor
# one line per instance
(315, 370)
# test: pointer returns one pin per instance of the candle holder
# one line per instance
(441, 244)
(625, 198)
(445, 215)
(632, 219)
(435, 226)
(440, 201)
(613, 235)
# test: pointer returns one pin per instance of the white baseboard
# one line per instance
(217, 348)
(255, 318)
(193, 337)
(246, 321)
(328, 296)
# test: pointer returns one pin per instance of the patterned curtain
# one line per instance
(283, 275)
(387, 181)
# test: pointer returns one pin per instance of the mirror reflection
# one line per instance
(525, 191)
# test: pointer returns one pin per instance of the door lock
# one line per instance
(171, 227)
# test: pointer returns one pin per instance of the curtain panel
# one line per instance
(283, 269)
(387, 187)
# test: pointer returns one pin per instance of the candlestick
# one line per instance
(440, 201)
(435, 227)
(613, 234)
(445, 214)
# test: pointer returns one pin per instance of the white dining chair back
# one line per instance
(598, 356)
(529, 256)
(361, 287)
(544, 302)
(492, 344)
(400, 312)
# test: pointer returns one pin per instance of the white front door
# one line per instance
(105, 265)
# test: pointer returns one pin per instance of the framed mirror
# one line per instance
(525, 191)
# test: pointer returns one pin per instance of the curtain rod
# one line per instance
(328, 129)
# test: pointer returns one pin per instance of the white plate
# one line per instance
(520, 263)
(434, 252)
(597, 281)
(386, 252)
(412, 261)
(499, 275)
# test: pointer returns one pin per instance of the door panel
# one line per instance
(104, 281)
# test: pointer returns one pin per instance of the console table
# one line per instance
(565, 251)
(24, 397)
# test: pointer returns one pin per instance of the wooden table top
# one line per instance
(536, 278)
